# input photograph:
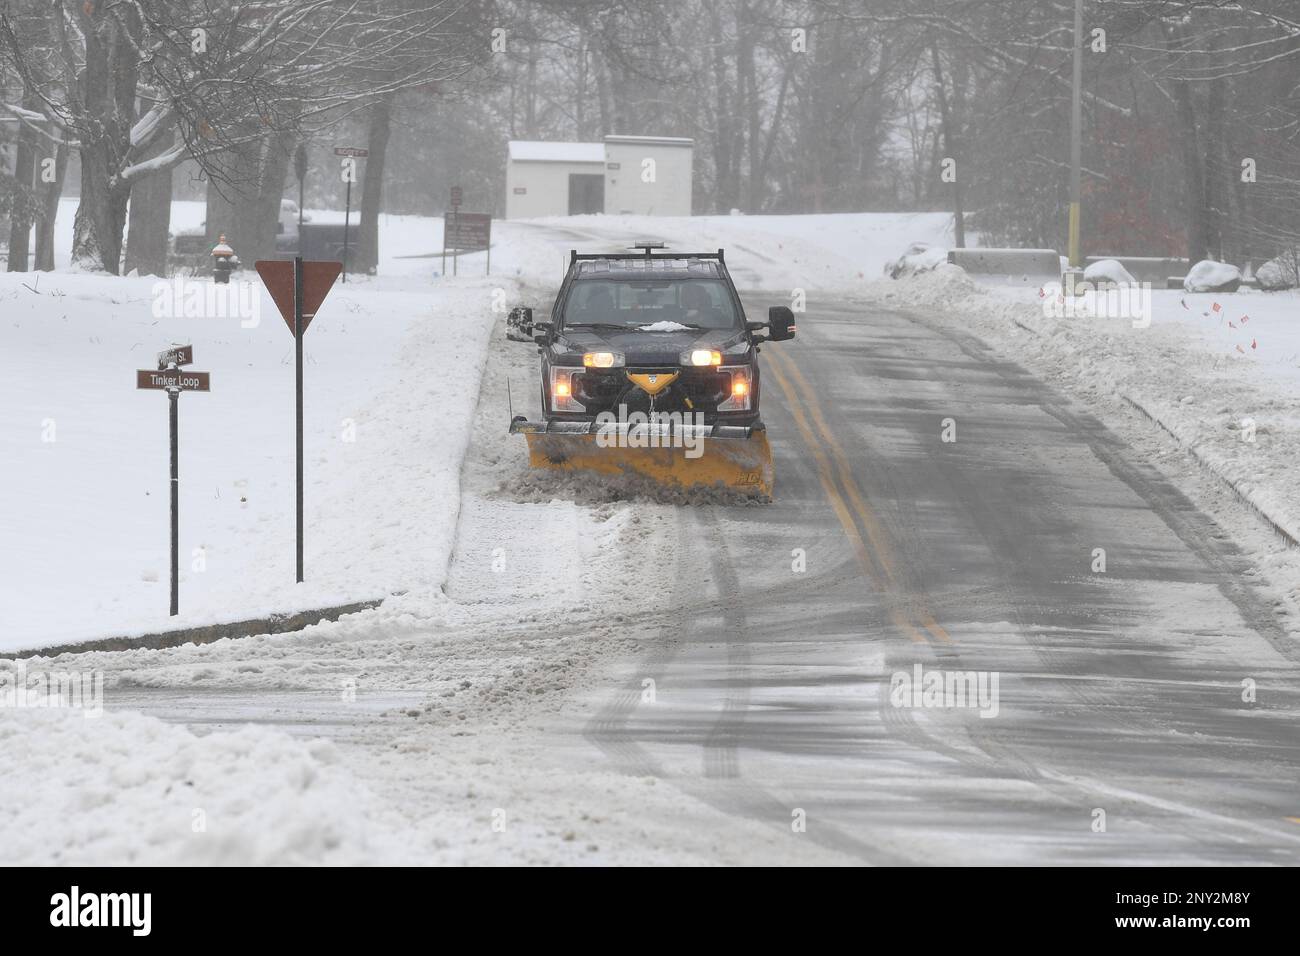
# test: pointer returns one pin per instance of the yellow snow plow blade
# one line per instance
(737, 459)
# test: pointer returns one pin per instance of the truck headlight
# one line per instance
(562, 389)
(702, 357)
(602, 360)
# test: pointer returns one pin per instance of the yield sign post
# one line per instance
(298, 288)
(172, 379)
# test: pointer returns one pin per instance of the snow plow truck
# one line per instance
(649, 367)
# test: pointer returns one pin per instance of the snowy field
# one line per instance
(390, 378)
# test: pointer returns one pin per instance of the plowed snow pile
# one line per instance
(125, 789)
(541, 485)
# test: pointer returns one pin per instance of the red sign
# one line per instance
(317, 280)
(179, 379)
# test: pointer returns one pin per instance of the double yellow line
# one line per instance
(870, 540)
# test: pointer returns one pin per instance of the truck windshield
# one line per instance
(638, 303)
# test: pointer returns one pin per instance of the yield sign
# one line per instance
(317, 279)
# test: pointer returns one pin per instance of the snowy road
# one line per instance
(1119, 691)
(714, 684)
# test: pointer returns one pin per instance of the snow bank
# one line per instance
(125, 789)
(919, 257)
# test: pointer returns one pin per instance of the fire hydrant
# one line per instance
(224, 261)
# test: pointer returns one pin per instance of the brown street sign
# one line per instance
(180, 379)
(356, 151)
(467, 231)
(457, 195)
(317, 280)
(178, 355)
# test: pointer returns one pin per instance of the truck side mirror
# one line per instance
(519, 325)
(780, 323)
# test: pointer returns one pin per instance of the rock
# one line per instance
(1210, 276)
(1279, 274)
(1108, 272)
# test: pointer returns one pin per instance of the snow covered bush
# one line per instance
(919, 257)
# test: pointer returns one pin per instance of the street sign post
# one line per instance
(354, 152)
(457, 194)
(172, 379)
(469, 232)
(298, 288)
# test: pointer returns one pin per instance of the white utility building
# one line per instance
(624, 175)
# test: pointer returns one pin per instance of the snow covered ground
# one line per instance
(431, 506)
(390, 379)
(385, 435)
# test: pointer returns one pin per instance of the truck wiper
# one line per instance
(599, 325)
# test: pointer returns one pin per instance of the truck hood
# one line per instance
(648, 348)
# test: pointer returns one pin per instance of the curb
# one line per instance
(205, 634)
(1243, 496)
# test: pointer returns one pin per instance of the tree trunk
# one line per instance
(274, 172)
(1215, 191)
(603, 98)
(50, 211)
(20, 219)
(150, 218)
(372, 187)
(239, 210)
(751, 104)
(101, 215)
(1198, 227)
(530, 99)
(726, 189)
(107, 92)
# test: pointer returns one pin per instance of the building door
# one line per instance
(586, 194)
